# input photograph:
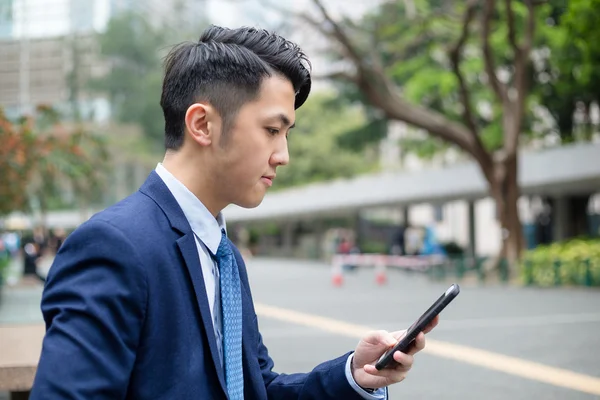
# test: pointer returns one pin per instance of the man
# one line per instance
(149, 299)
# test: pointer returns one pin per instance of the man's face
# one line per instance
(246, 160)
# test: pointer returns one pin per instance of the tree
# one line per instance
(16, 164)
(41, 156)
(565, 80)
(460, 40)
(314, 155)
(569, 78)
(131, 46)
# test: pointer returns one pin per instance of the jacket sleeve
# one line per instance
(93, 305)
(326, 381)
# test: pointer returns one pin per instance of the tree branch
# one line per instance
(455, 58)
(478, 150)
(314, 23)
(380, 92)
(530, 28)
(521, 84)
(383, 94)
(510, 16)
(488, 58)
(340, 35)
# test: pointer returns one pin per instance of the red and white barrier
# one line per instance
(380, 262)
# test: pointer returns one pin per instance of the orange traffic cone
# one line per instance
(337, 277)
(380, 275)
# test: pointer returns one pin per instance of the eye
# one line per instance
(273, 131)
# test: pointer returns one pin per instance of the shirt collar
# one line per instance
(205, 226)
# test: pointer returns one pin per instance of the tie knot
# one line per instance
(224, 249)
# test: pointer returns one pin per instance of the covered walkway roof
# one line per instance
(562, 170)
(566, 169)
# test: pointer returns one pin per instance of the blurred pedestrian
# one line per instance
(31, 257)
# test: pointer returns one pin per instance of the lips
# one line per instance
(268, 179)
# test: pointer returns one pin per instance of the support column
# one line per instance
(472, 229)
(358, 229)
(320, 237)
(405, 215)
(560, 218)
(287, 239)
(578, 215)
(405, 223)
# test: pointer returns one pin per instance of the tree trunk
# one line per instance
(505, 190)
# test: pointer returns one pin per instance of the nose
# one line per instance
(281, 156)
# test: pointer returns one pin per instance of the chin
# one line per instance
(250, 203)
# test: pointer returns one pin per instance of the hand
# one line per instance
(370, 349)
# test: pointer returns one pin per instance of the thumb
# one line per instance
(399, 334)
(378, 338)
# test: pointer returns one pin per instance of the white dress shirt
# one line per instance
(207, 230)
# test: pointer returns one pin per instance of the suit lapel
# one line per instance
(187, 245)
(155, 188)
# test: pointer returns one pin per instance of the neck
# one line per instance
(191, 173)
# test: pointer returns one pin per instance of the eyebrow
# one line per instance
(286, 121)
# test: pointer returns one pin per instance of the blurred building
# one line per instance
(48, 53)
(6, 12)
(51, 71)
(184, 15)
(48, 49)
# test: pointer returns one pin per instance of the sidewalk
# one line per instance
(20, 311)
(21, 303)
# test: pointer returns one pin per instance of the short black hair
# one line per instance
(226, 68)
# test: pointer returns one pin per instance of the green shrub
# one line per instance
(563, 263)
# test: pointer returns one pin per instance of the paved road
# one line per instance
(555, 327)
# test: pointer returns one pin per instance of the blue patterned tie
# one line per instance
(231, 304)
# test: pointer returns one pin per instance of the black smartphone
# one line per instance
(404, 344)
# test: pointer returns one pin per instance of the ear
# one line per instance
(197, 123)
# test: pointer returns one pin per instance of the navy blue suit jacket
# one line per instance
(127, 316)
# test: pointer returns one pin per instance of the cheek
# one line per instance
(247, 168)
(248, 160)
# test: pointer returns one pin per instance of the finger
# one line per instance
(395, 374)
(432, 324)
(405, 360)
(417, 345)
(390, 374)
(380, 338)
(399, 334)
(403, 363)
